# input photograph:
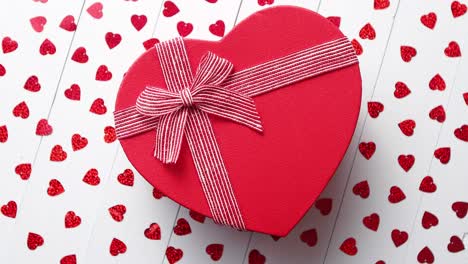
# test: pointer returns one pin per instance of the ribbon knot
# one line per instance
(186, 96)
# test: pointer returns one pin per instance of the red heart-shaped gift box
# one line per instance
(277, 175)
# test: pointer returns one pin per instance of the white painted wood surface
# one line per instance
(145, 228)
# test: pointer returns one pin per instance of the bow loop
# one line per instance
(155, 102)
(212, 70)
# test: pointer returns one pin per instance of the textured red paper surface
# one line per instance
(276, 175)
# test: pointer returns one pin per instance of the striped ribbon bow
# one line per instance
(183, 108)
(204, 93)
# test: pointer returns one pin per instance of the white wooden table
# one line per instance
(67, 192)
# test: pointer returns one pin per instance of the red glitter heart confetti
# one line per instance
(109, 134)
(407, 127)
(349, 246)
(255, 257)
(437, 83)
(374, 109)
(371, 221)
(32, 84)
(149, 43)
(458, 9)
(182, 227)
(68, 23)
(98, 107)
(92, 177)
(117, 212)
(174, 254)
(138, 21)
(425, 256)
(78, 142)
(367, 32)
(69, 259)
(170, 9)
(153, 232)
(217, 28)
(396, 195)
(401, 90)
(406, 161)
(455, 245)
(34, 241)
(381, 4)
(309, 237)
(429, 20)
(95, 10)
(362, 189)
(9, 209)
(21, 110)
(73, 93)
(103, 73)
(197, 216)
(399, 237)
(126, 177)
(438, 114)
(55, 188)
(429, 220)
(184, 29)
(3, 134)
(427, 185)
(72, 220)
(47, 48)
(324, 205)
(58, 154)
(462, 133)
(2, 70)
(43, 128)
(442, 154)
(9, 45)
(367, 149)
(265, 2)
(38, 23)
(80, 55)
(407, 53)
(117, 247)
(23, 170)
(452, 50)
(215, 251)
(357, 47)
(460, 208)
(157, 194)
(112, 39)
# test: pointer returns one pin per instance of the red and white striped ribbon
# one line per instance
(183, 108)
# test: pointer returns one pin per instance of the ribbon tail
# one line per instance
(230, 105)
(211, 170)
(212, 70)
(169, 134)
